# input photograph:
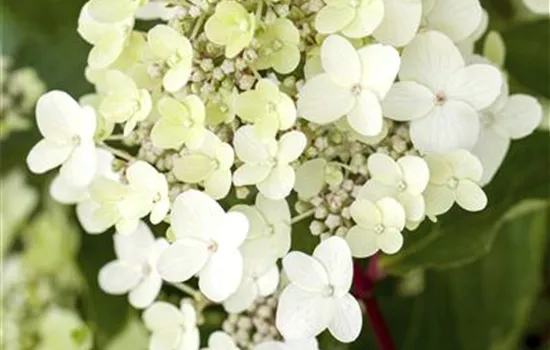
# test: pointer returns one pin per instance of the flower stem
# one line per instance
(119, 137)
(187, 290)
(363, 284)
(302, 216)
(117, 152)
(198, 25)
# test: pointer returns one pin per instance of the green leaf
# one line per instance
(461, 237)
(527, 55)
(479, 306)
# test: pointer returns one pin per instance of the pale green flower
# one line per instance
(222, 110)
(269, 109)
(123, 101)
(181, 122)
(278, 47)
(209, 165)
(230, 26)
(108, 11)
(175, 52)
(494, 48)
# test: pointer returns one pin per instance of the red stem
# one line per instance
(363, 284)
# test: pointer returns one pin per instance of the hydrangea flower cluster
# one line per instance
(377, 114)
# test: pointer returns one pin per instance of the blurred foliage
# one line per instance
(482, 272)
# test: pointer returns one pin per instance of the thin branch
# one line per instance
(187, 290)
(363, 285)
(117, 152)
(302, 216)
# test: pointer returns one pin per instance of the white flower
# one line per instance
(172, 328)
(456, 19)
(354, 18)
(173, 50)
(208, 165)
(207, 243)
(353, 84)
(220, 341)
(266, 164)
(148, 193)
(440, 95)
(310, 178)
(404, 180)
(400, 23)
(317, 297)
(68, 131)
(379, 226)
(108, 38)
(509, 118)
(134, 271)
(467, 46)
(109, 11)
(454, 177)
(123, 205)
(302, 344)
(270, 222)
(65, 192)
(255, 283)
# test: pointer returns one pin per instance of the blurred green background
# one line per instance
(471, 281)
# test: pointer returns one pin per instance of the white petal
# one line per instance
(457, 19)
(195, 214)
(347, 321)
(145, 293)
(165, 338)
(256, 221)
(291, 146)
(490, 150)
(80, 167)
(302, 314)
(520, 116)
(332, 19)
(218, 184)
(368, 17)
(268, 283)
(136, 246)
(190, 339)
(142, 174)
(321, 101)
(416, 173)
(470, 196)
(274, 211)
(251, 174)
(478, 85)
(379, 67)
(414, 205)
(222, 274)
(243, 297)
(62, 191)
(393, 214)
(221, 341)
(279, 183)
(46, 155)
(454, 125)
(335, 255)
(91, 223)
(56, 112)
(119, 277)
(340, 60)
(248, 147)
(362, 242)
(231, 231)
(365, 213)
(407, 100)
(310, 178)
(439, 199)
(384, 169)
(407, 13)
(305, 272)
(162, 315)
(465, 165)
(391, 241)
(366, 116)
(430, 59)
(182, 260)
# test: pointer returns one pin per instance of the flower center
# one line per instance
(329, 290)
(146, 268)
(452, 183)
(243, 25)
(157, 198)
(224, 108)
(354, 3)
(440, 98)
(76, 140)
(401, 186)
(356, 89)
(277, 44)
(271, 107)
(155, 70)
(487, 119)
(379, 229)
(212, 247)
